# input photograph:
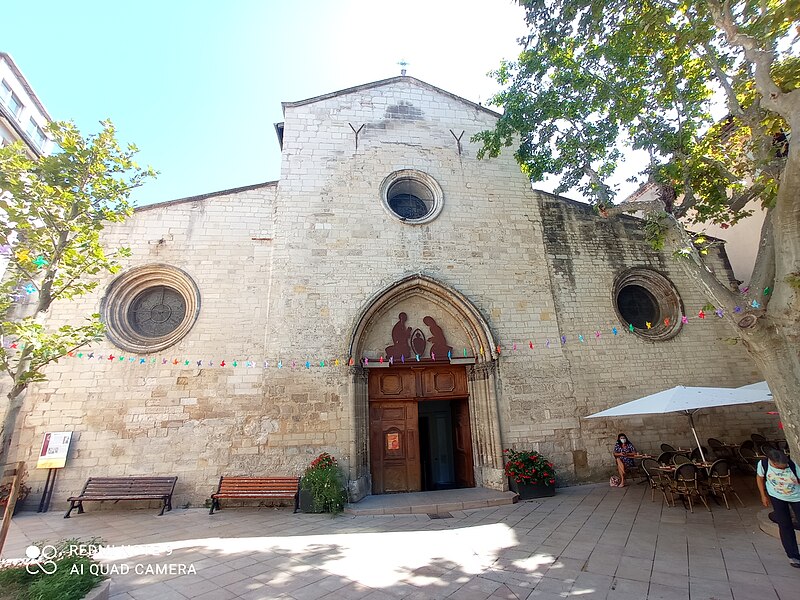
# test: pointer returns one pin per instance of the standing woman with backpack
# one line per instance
(777, 477)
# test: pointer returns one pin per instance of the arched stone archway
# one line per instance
(473, 346)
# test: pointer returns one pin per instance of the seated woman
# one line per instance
(622, 451)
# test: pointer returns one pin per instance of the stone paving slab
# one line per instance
(587, 542)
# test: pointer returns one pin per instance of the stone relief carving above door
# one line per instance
(409, 342)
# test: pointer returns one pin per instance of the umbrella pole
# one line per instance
(699, 445)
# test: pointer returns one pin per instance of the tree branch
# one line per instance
(733, 104)
(693, 264)
(764, 269)
(600, 186)
(646, 206)
(56, 294)
(739, 201)
(762, 60)
(39, 365)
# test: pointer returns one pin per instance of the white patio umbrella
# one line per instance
(686, 400)
(761, 386)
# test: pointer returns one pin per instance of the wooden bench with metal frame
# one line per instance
(99, 489)
(256, 488)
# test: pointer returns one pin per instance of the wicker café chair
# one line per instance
(657, 480)
(766, 447)
(665, 458)
(748, 444)
(686, 484)
(695, 456)
(719, 480)
(748, 460)
(757, 438)
(679, 459)
(719, 449)
(667, 448)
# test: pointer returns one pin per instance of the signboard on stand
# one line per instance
(55, 447)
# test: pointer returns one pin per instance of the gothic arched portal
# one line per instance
(419, 302)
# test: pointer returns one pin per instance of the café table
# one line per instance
(638, 456)
(700, 465)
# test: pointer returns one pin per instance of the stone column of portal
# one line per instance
(483, 398)
(359, 484)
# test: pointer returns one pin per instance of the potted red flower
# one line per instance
(322, 487)
(529, 474)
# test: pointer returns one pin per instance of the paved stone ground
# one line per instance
(588, 542)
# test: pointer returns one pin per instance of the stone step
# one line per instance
(768, 526)
(435, 502)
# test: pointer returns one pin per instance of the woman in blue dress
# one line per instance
(623, 450)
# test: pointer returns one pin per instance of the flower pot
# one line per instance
(527, 491)
(307, 502)
(3, 509)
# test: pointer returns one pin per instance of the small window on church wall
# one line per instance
(149, 308)
(646, 300)
(411, 196)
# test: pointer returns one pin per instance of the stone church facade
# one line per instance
(380, 302)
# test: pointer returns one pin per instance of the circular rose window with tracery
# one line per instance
(649, 302)
(412, 196)
(149, 308)
(157, 311)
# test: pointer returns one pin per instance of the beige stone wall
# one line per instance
(586, 253)
(339, 245)
(132, 419)
(287, 272)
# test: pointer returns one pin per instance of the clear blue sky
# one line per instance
(198, 85)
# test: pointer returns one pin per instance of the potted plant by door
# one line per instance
(322, 486)
(529, 474)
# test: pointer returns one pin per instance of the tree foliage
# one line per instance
(52, 212)
(595, 76)
(710, 90)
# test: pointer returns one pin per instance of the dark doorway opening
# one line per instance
(436, 450)
(442, 461)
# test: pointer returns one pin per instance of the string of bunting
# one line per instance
(750, 300)
(599, 335)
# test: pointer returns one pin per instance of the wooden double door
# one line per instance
(419, 429)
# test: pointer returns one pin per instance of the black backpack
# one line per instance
(792, 466)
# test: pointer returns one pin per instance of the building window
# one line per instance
(647, 300)
(412, 196)
(149, 308)
(36, 133)
(637, 306)
(10, 99)
(157, 311)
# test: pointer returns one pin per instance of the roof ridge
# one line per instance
(243, 188)
(383, 82)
